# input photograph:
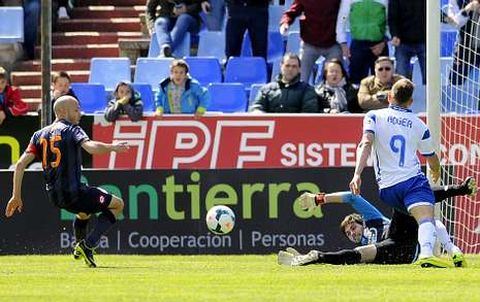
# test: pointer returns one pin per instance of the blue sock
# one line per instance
(104, 222)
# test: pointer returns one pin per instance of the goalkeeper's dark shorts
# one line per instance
(401, 244)
(88, 200)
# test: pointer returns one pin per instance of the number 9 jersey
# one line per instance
(58, 147)
(398, 134)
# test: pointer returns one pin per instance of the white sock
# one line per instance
(444, 238)
(426, 238)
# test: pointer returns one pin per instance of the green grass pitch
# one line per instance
(227, 278)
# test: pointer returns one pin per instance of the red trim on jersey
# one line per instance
(31, 149)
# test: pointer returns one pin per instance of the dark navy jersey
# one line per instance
(376, 225)
(58, 147)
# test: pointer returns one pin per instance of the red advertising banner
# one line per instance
(255, 141)
(232, 142)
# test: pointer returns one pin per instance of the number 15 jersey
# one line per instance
(398, 133)
(58, 146)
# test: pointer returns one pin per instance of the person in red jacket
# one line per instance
(317, 31)
(11, 103)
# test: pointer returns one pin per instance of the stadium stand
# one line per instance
(11, 25)
(227, 97)
(109, 71)
(275, 46)
(205, 70)
(246, 70)
(212, 44)
(152, 71)
(147, 95)
(92, 97)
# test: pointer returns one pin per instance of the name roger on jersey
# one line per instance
(404, 122)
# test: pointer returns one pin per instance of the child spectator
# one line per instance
(125, 101)
(60, 87)
(11, 103)
(181, 94)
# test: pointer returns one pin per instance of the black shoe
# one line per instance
(85, 252)
(76, 255)
(166, 51)
(470, 186)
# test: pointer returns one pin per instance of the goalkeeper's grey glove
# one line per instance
(308, 201)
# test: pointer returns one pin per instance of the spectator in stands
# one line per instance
(251, 15)
(317, 31)
(335, 93)
(174, 20)
(368, 34)
(407, 24)
(31, 20)
(465, 15)
(288, 94)
(214, 11)
(125, 101)
(60, 87)
(11, 103)
(181, 94)
(373, 92)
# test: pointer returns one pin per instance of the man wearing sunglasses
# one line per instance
(374, 89)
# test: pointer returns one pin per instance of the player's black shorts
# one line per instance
(391, 252)
(400, 246)
(88, 200)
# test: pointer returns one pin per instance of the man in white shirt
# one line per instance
(393, 135)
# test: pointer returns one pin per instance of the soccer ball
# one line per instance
(220, 220)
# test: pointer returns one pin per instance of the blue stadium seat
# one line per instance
(275, 46)
(109, 71)
(254, 89)
(206, 70)
(227, 97)
(152, 71)
(146, 93)
(246, 70)
(212, 44)
(293, 42)
(182, 50)
(92, 97)
(11, 24)
(276, 69)
(275, 13)
(447, 43)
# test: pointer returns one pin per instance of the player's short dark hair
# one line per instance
(291, 55)
(352, 218)
(61, 74)
(402, 91)
(179, 63)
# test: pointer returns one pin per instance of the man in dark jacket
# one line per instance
(288, 94)
(407, 22)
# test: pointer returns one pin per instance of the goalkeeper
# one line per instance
(382, 241)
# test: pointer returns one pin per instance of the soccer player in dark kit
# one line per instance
(58, 146)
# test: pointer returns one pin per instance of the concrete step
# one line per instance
(20, 78)
(111, 2)
(83, 51)
(99, 12)
(31, 91)
(104, 25)
(57, 65)
(89, 37)
(33, 104)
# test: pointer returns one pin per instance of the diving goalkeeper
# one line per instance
(382, 241)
